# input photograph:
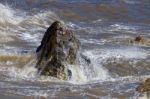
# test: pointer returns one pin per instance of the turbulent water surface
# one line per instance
(104, 28)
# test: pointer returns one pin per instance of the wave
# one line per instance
(18, 26)
(8, 16)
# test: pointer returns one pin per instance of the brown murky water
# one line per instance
(106, 29)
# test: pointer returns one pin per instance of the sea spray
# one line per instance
(7, 16)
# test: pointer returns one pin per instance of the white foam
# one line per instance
(127, 52)
(135, 53)
(97, 70)
(98, 56)
(73, 26)
(7, 15)
(8, 19)
(94, 41)
(78, 75)
(131, 1)
(97, 21)
(122, 27)
(32, 38)
(32, 28)
(15, 73)
(123, 37)
(18, 23)
(41, 19)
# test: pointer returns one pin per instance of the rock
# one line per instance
(141, 40)
(145, 86)
(138, 38)
(132, 41)
(59, 47)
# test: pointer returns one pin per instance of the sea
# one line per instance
(106, 29)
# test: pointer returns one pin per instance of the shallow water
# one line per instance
(104, 28)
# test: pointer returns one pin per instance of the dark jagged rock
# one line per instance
(59, 46)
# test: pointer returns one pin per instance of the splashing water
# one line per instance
(7, 16)
(21, 31)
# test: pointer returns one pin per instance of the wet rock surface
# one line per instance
(59, 47)
(145, 86)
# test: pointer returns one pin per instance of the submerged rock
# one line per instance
(59, 47)
(145, 86)
(141, 41)
(138, 38)
(138, 41)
